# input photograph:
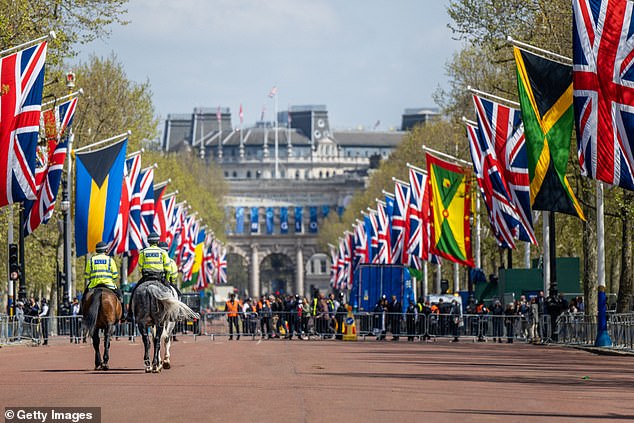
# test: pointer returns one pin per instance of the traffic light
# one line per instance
(14, 263)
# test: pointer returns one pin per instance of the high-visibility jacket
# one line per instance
(154, 259)
(435, 309)
(315, 306)
(172, 272)
(101, 269)
(232, 308)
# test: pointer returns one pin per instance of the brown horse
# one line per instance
(101, 310)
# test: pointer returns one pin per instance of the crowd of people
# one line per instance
(288, 316)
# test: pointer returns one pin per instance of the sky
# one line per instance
(366, 60)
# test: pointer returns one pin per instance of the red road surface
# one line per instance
(326, 381)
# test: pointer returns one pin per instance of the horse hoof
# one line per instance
(157, 369)
(166, 365)
(98, 367)
(105, 367)
(148, 369)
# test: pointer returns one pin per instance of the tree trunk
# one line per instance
(590, 285)
(624, 301)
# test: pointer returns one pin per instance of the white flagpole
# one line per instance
(50, 36)
(276, 141)
(603, 337)
(447, 156)
(492, 97)
(65, 97)
(95, 144)
(546, 251)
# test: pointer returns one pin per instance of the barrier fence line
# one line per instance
(569, 329)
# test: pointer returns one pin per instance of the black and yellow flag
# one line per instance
(545, 93)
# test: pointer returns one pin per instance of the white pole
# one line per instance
(546, 251)
(600, 237)
(219, 134)
(438, 278)
(10, 241)
(478, 234)
(94, 144)
(456, 278)
(603, 337)
(425, 289)
(68, 230)
(51, 35)
(276, 140)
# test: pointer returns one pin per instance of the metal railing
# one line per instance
(569, 329)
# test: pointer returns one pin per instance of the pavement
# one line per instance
(319, 381)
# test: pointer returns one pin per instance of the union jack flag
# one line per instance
(122, 232)
(501, 131)
(333, 265)
(399, 215)
(341, 265)
(502, 215)
(21, 83)
(49, 176)
(221, 264)
(383, 227)
(146, 203)
(174, 222)
(414, 245)
(373, 235)
(349, 257)
(163, 217)
(603, 81)
(137, 180)
(159, 223)
(360, 244)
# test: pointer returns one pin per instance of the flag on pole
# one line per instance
(502, 215)
(147, 203)
(218, 115)
(313, 228)
(241, 115)
(603, 90)
(298, 219)
(399, 212)
(269, 220)
(545, 94)
(239, 220)
(333, 265)
(502, 142)
(450, 205)
(254, 220)
(273, 92)
(283, 220)
(121, 242)
(138, 179)
(21, 83)
(98, 181)
(159, 224)
(49, 177)
(221, 264)
(383, 233)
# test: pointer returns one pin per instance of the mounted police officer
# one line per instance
(101, 270)
(154, 264)
(171, 274)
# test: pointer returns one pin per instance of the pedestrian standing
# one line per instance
(44, 321)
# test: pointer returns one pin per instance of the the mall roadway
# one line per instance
(326, 381)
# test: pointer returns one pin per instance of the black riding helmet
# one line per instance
(101, 247)
(163, 245)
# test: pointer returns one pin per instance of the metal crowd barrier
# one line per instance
(579, 329)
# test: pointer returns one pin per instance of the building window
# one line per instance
(323, 266)
(226, 174)
(297, 174)
(327, 174)
(235, 174)
(321, 174)
(248, 173)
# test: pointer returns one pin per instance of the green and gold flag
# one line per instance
(450, 210)
(545, 94)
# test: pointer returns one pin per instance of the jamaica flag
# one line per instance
(450, 210)
(99, 180)
(545, 93)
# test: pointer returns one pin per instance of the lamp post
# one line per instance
(65, 207)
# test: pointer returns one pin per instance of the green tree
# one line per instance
(75, 22)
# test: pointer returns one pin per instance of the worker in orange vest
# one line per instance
(233, 308)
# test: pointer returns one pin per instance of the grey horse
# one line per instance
(155, 306)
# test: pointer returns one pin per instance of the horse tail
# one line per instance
(173, 309)
(89, 318)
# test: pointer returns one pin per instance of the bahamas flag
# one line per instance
(450, 210)
(99, 179)
(545, 93)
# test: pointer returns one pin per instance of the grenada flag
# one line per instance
(450, 205)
